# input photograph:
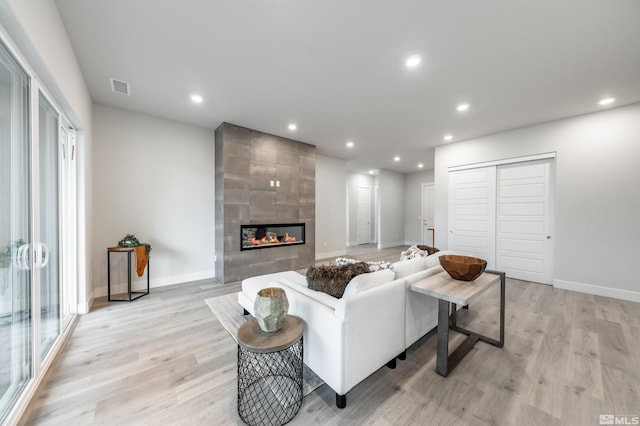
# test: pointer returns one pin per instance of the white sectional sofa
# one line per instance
(375, 321)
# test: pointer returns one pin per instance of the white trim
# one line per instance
(411, 243)
(83, 308)
(534, 157)
(320, 256)
(616, 293)
(393, 244)
(161, 282)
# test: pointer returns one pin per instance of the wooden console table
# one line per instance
(449, 291)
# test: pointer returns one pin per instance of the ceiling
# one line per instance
(336, 68)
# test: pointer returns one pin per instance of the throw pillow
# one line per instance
(428, 249)
(332, 279)
(405, 268)
(367, 281)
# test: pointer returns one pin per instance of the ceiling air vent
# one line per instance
(120, 86)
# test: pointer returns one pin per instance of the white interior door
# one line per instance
(364, 215)
(428, 230)
(523, 238)
(472, 217)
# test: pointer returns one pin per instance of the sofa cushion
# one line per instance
(404, 268)
(332, 279)
(434, 259)
(366, 281)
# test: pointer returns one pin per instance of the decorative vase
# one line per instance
(271, 308)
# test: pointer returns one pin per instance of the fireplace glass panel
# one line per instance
(271, 235)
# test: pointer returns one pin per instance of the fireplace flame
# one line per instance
(270, 239)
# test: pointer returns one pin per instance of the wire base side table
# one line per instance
(270, 372)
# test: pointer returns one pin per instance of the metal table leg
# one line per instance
(445, 363)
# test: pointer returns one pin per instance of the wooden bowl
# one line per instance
(463, 268)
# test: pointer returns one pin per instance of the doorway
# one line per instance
(364, 215)
(427, 220)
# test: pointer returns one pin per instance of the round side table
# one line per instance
(270, 372)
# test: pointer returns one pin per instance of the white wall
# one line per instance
(413, 205)
(331, 207)
(354, 181)
(597, 236)
(37, 30)
(153, 178)
(391, 205)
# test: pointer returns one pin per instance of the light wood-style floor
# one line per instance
(166, 360)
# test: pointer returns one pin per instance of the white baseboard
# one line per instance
(139, 284)
(616, 293)
(84, 308)
(411, 243)
(387, 245)
(320, 256)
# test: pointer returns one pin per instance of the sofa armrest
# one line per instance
(323, 332)
(374, 329)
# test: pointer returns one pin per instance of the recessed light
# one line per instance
(350, 144)
(462, 107)
(413, 61)
(448, 138)
(292, 126)
(196, 99)
(396, 158)
(606, 101)
(420, 165)
(371, 172)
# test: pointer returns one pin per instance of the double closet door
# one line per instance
(504, 214)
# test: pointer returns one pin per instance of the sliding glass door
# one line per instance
(47, 249)
(16, 332)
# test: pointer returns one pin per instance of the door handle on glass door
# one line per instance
(40, 255)
(21, 260)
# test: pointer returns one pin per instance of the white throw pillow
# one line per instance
(405, 268)
(434, 260)
(364, 282)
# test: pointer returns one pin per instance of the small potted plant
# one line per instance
(142, 255)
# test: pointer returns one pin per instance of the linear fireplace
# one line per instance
(271, 235)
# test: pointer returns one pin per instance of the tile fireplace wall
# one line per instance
(247, 162)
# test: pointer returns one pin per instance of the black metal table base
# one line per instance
(445, 363)
(270, 385)
(131, 294)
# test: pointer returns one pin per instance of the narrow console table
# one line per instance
(270, 372)
(131, 295)
(449, 291)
